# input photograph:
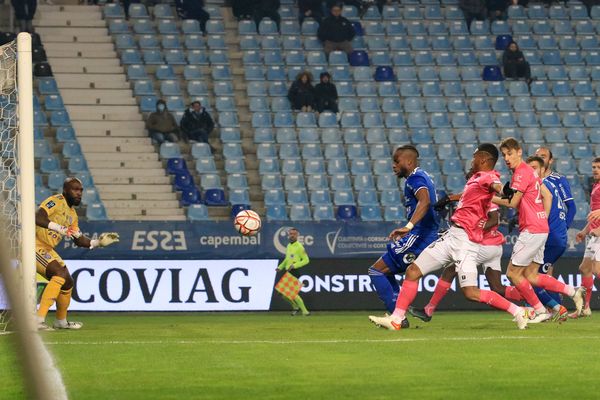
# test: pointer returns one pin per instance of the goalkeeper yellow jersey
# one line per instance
(59, 212)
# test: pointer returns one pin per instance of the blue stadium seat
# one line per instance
(347, 212)
(268, 166)
(484, 120)
(71, 149)
(96, 212)
(277, 212)
(476, 104)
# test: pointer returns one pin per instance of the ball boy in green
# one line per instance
(295, 257)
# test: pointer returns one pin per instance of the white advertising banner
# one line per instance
(172, 285)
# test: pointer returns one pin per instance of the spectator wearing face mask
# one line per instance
(197, 124)
(161, 125)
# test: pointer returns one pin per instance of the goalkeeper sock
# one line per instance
(62, 304)
(50, 294)
(300, 303)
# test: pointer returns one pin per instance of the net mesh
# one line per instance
(9, 167)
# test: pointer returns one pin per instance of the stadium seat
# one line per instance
(96, 212)
(346, 212)
(323, 212)
(300, 212)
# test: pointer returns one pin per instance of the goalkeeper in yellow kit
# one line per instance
(295, 257)
(56, 218)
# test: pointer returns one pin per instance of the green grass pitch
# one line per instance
(459, 355)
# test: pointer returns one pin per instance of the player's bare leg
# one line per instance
(473, 293)
(441, 288)
(588, 268)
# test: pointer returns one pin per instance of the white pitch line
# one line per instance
(332, 341)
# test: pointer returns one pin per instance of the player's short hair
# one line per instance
(490, 149)
(549, 151)
(536, 159)
(510, 143)
(596, 160)
(69, 180)
(408, 147)
(293, 228)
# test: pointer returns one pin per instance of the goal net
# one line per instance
(17, 207)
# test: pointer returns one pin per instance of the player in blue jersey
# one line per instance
(421, 230)
(560, 181)
(556, 244)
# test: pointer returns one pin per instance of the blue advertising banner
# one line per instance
(218, 240)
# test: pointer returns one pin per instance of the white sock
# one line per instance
(556, 308)
(62, 321)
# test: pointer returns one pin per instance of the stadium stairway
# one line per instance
(235, 54)
(125, 165)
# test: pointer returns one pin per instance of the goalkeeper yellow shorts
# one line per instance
(43, 257)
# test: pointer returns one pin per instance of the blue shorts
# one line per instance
(404, 252)
(552, 252)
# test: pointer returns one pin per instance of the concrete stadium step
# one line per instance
(92, 81)
(111, 164)
(131, 172)
(82, 62)
(61, 34)
(98, 96)
(88, 53)
(82, 47)
(75, 7)
(104, 113)
(124, 142)
(130, 180)
(148, 218)
(134, 188)
(96, 132)
(138, 196)
(111, 126)
(157, 212)
(94, 69)
(111, 147)
(52, 21)
(142, 204)
(112, 156)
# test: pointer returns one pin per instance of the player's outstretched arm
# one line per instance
(546, 199)
(43, 220)
(421, 209)
(594, 215)
(105, 239)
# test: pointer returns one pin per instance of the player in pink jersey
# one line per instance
(533, 201)
(590, 265)
(488, 257)
(459, 245)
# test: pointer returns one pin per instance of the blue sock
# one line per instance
(384, 289)
(395, 285)
(545, 298)
(556, 297)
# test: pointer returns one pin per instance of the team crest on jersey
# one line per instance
(47, 256)
(409, 258)
(50, 204)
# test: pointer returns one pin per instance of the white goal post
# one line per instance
(42, 379)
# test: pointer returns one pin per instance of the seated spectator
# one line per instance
(514, 63)
(326, 94)
(193, 9)
(267, 9)
(243, 9)
(196, 123)
(336, 32)
(473, 9)
(302, 93)
(310, 9)
(161, 124)
(589, 4)
(497, 9)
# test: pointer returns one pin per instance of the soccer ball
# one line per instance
(247, 223)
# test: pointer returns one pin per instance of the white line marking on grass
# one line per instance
(325, 341)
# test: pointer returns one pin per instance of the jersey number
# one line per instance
(538, 198)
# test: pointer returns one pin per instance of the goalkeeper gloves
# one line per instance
(105, 239)
(508, 192)
(63, 230)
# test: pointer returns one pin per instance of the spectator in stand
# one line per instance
(24, 13)
(310, 9)
(302, 93)
(267, 9)
(473, 9)
(193, 9)
(497, 9)
(515, 65)
(589, 4)
(243, 9)
(326, 94)
(196, 123)
(336, 32)
(161, 124)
